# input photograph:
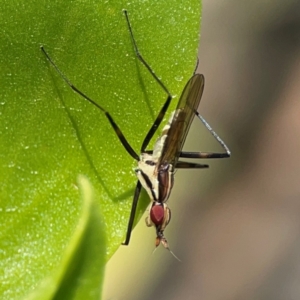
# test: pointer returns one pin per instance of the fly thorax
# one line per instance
(158, 147)
(160, 142)
(156, 179)
(165, 177)
(147, 175)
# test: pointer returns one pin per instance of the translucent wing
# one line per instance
(183, 116)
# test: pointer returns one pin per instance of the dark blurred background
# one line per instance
(236, 226)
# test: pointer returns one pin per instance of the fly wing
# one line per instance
(183, 116)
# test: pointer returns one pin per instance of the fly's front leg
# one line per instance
(132, 213)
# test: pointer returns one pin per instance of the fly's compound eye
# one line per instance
(160, 216)
(157, 214)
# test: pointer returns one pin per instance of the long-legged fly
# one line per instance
(155, 170)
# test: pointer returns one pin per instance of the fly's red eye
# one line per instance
(157, 214)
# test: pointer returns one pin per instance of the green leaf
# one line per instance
(49, 135)
(81, 270)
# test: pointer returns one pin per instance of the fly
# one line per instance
(155, 170)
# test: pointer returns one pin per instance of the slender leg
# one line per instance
(203, 155)
(155, 125)
(132, 213)
(163, 110)
(116, 128)
(225, 154)
(188, 165)
(217, 138)
(188, 154)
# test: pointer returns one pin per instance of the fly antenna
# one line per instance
(174, 255)
(169, 251)
(166, 245)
